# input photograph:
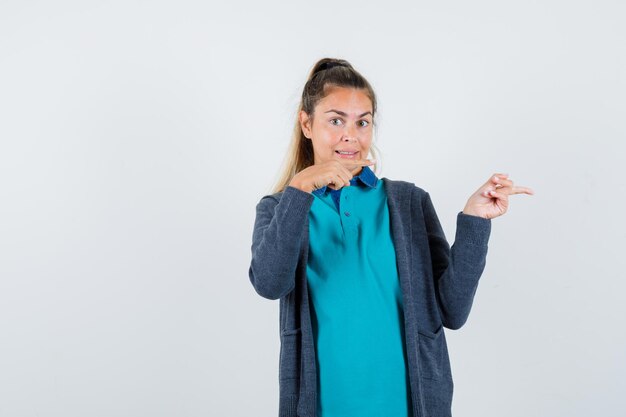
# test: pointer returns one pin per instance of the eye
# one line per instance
(331, 121)
(366, 123)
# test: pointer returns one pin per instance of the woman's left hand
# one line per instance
(492, 198)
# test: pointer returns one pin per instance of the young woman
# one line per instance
(365, 276)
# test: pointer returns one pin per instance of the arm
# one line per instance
(276, 241)
(456, 270)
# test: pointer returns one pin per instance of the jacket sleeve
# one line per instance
(456, 270)
(276, 241)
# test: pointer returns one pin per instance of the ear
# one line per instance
(305, 124)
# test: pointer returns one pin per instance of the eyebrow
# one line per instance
(346, 114)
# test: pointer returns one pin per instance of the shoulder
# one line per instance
(275, 198)
(403, 189)
(270, 200)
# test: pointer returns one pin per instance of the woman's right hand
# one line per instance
(335, 174)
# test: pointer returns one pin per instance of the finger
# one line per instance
(350, 168)
(351, 164)
(500, 181)
(345, 175)
(502, 190)
(333, 186)
(496, 194)
(522, 190)
(339, 181)
(333, 183)
(341, 170)
(498, 178)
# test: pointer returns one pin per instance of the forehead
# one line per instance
(349, 100)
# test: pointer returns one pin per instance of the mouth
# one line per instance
(347, 154)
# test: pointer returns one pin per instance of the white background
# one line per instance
(138, 136)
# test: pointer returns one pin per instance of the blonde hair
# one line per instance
(325, 74)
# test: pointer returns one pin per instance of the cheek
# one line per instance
(366, 143)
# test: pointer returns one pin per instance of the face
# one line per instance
(342, 121)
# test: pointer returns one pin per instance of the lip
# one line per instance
(353, 156)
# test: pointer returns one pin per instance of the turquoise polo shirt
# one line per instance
(357, 312)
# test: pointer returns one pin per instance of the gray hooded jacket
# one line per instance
(438, 284)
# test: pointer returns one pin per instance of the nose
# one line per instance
(349, 134)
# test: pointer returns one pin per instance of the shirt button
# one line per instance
(347, 213)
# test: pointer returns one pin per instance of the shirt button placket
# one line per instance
(347, 212)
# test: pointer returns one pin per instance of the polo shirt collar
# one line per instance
(366, 176)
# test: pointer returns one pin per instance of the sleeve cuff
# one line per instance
(299, 200)
(472, 229)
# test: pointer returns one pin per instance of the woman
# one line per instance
(364, 273)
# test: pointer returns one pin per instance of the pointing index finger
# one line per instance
(349, 163)
(525, 190)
